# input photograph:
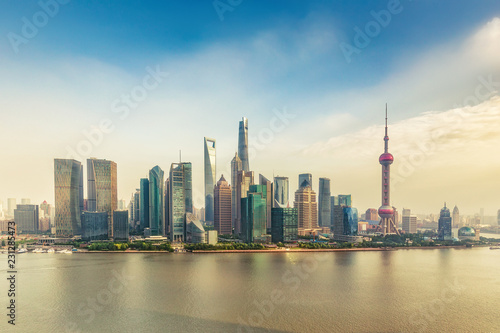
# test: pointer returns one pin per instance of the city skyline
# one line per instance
(326, 127)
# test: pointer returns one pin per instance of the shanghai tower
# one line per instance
(243, 144)
(386, 211)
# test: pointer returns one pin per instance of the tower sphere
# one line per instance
(386, 159)
(386, 212)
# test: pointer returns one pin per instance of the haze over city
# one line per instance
(438, 73)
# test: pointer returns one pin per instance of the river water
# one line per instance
(441, 290)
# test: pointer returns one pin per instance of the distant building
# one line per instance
(371, 214)
(243, 144)
(94, 226)
(307, 207)
(363, 227)
(11, 205)
(243, 182)
(195, 233)
(305, 177)
(236, 167)
(285, 225)
(498, 217)
(68, 182)
(26, 218)
(444, 224)
(324, 206)
(467, 233)
(210, 174)
(25, 201)
(269, 199)
(180, 199)
(144, 203)
(102, 193)
(409, 222)
(253, 215)
(156, 205)
(281, 192)
(122, 204)
(346, 226)
(222, 207)
(120, 225)
(212, 237)
(455, 217)
(137, 208)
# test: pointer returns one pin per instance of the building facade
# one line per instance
(68, 182)
(285, 225)
(409, 222)
(281, 189)
(243, 144)
(371, 214)
(236, 167)
(444, 224)
(243, 182)
(324, 205)
(307, 208)
(222, 207)
(102, 194)
(263, 181)
(253, 217)
(307, 177)
(27, 219)
(455, 220)
(156, 205)
(210, 174)
(180, 199)
(121, 225)
(94, 226)
(144, 204)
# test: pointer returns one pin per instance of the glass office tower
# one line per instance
(180, 199)
(68, 182)
(210, 174)
(156, 184)
(243, 144)
(324, 206)
(281, 192)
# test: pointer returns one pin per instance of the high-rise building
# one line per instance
(307, 207)
(45, 209)
(281, 192)
(25, 201)
(456, 217)
(307, 177)
(243, 144)
(444, 224)
(285, 225)
(337, 214)
(26, 217)
(120, 226)
(324, 207)
(181, 199)
(144, 204)
(253, 216)
(68, 182)
(222, 207)
(371, 214)
(94, 226)
(409, 222)
(498, 217)
(243, 182)
(195, 232)
(11, 205)
(269, 198)
(236, 167)
(387, 224)
(156, 207)
(166, 212)
(137, 208)
(102, 193)
(122, 205)
(210, 174)
(345, 221)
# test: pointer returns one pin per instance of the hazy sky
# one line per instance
(313, 87)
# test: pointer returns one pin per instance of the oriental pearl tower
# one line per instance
(386, 212)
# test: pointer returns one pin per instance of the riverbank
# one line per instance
(295, 250)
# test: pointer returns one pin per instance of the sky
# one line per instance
(138, 81)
